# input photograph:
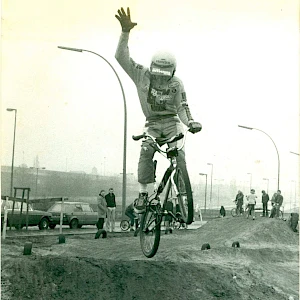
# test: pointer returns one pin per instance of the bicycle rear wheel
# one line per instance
(233, 212)
(185, 196)
(124, 225)
(150, 231)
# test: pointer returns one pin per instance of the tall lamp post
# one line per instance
(250, 180)
(13, 152)
(125, 122)
(205, 189)
(211, 176)
(278, 172)
(267, 184)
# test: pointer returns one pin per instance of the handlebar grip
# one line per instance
(176, 138)
(138, 137)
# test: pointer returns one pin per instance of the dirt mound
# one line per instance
(222, 231)
(83, 278)
(264, 267)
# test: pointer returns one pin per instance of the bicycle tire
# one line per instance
(124, 225)
(233, 212)
(176, 225)
(185, 196)
(150, 231)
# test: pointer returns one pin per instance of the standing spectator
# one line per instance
(265, 199)
(251, 198)
(239, 200)
(102, 209)
(111, 210)
(278, 200)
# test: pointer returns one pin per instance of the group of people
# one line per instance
(276, 201)
(106, 207)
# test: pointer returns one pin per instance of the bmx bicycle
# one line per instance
(178, 188)
(178, 222)
(234, 211)
(125, 223)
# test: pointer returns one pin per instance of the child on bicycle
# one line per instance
(163, 101)
(129, 212)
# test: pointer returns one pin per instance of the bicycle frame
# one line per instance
(170, 154)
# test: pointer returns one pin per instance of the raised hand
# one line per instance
(125, 20)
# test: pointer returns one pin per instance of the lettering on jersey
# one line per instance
(158, 98)
(173, 84)
(174, 91)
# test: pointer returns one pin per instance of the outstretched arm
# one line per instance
(122, 55)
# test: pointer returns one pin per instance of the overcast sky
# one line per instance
(238, 61)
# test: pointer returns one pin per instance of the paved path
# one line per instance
(34, 231)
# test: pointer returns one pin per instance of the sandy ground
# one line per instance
(266, 266)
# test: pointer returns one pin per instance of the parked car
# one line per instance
(35, 217)
(75, 214)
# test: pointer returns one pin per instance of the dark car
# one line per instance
(75, 214)
(35, 217)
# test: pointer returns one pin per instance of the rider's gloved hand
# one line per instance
(194, 126)
(125, 20)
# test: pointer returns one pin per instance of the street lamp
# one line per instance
(125, 122)
(13, 152)
(205, 189)
(211, 175)
(278, 174)
(267, 184)
(250, 180)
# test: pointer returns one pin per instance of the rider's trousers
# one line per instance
(165, 128)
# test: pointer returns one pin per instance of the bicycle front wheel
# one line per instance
(233, 212)
(150, 231)
(184, 196)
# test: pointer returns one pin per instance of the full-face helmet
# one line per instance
(163, 64)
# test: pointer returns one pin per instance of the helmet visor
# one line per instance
(161, 70)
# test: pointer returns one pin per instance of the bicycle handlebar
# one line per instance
(159, 142)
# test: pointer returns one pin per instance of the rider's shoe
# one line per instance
(136, 232)
(140, 203)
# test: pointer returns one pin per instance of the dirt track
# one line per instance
(266, 266)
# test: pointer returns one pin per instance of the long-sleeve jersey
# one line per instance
(156, 102)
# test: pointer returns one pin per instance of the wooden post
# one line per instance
(13, 208)
(21, 210)
(5, 219)
(61, 215)
(27, 202)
